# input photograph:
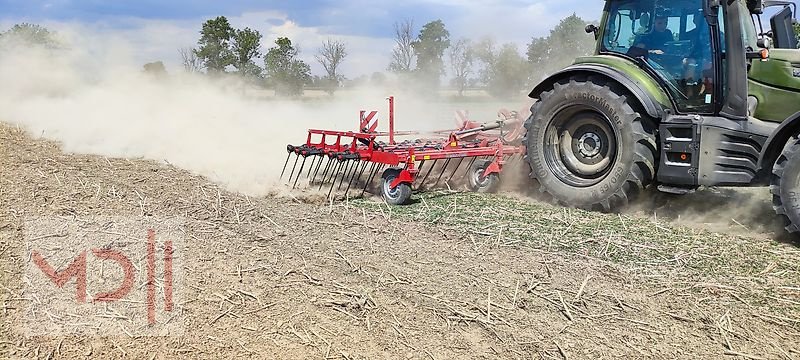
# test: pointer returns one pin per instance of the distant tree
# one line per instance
(214, 46)
(191, 63)
(246, 47)
(156, 69)
(403, 55)
(29, 34)
(377, 78)
(461, 59)
(358, 81)
(505, 71)
(797, 32)
(330, 56)
(285, 72)
(566, 41)
(429, 48)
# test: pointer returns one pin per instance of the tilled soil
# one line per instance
(281, 277)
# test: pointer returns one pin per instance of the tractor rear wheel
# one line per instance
(785, 186)
(588, 147)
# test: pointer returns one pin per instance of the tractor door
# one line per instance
(675, 42)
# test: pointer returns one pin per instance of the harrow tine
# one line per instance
(372, 172)
(460, 161)
(347, 169)
(474, 159)
(344, 164)
(285, 164)
(352, 178)
(444, 169)
(311, 168)
(316, 171)
(331, 164)
(299, 173)
(293, 168)
(429, 173)
(335, 169)
(421, 166)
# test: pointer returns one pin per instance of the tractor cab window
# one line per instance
(673, 39)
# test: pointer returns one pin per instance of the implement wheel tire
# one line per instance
(588, 147)
(400, 194)
(785, 186)
(483, 184)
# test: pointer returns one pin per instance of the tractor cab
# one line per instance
(677, 41)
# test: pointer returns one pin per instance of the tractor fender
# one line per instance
(775, 143)
(650, 105)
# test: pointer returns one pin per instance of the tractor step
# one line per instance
(676, 190)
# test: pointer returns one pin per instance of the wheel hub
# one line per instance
(590, 144)
(582, 146)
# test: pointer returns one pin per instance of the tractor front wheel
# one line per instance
(785, 186)
(588, 147)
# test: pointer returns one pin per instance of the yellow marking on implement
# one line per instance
(413, 158)
(426, 157)
(453, 144)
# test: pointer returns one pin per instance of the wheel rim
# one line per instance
(580, 146)
(478, 178)
(387, 188)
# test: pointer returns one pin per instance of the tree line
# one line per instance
(419, 59)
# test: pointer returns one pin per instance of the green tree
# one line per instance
(566, 41)
(246, 47)
(429, 48)
(505, 71)
(797, 32)
(330, 56)
(29, 34)
(285, 72)
(214, 46)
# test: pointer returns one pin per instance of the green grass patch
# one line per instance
(640, 244)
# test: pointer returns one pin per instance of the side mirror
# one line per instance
(782, 25)
(592, 29)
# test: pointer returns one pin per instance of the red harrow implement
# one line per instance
(353, 159)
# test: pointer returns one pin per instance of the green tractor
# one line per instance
(679, 94)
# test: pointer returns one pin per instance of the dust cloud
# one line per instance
(105, 104)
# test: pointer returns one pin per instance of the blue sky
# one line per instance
(157, 28)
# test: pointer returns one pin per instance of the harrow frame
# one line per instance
(353, 152)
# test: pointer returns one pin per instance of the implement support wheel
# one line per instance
(400, 194)
(480, 183)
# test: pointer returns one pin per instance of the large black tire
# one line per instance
(401, 194)
(587, 145)
(483, 184)
(785, 186)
